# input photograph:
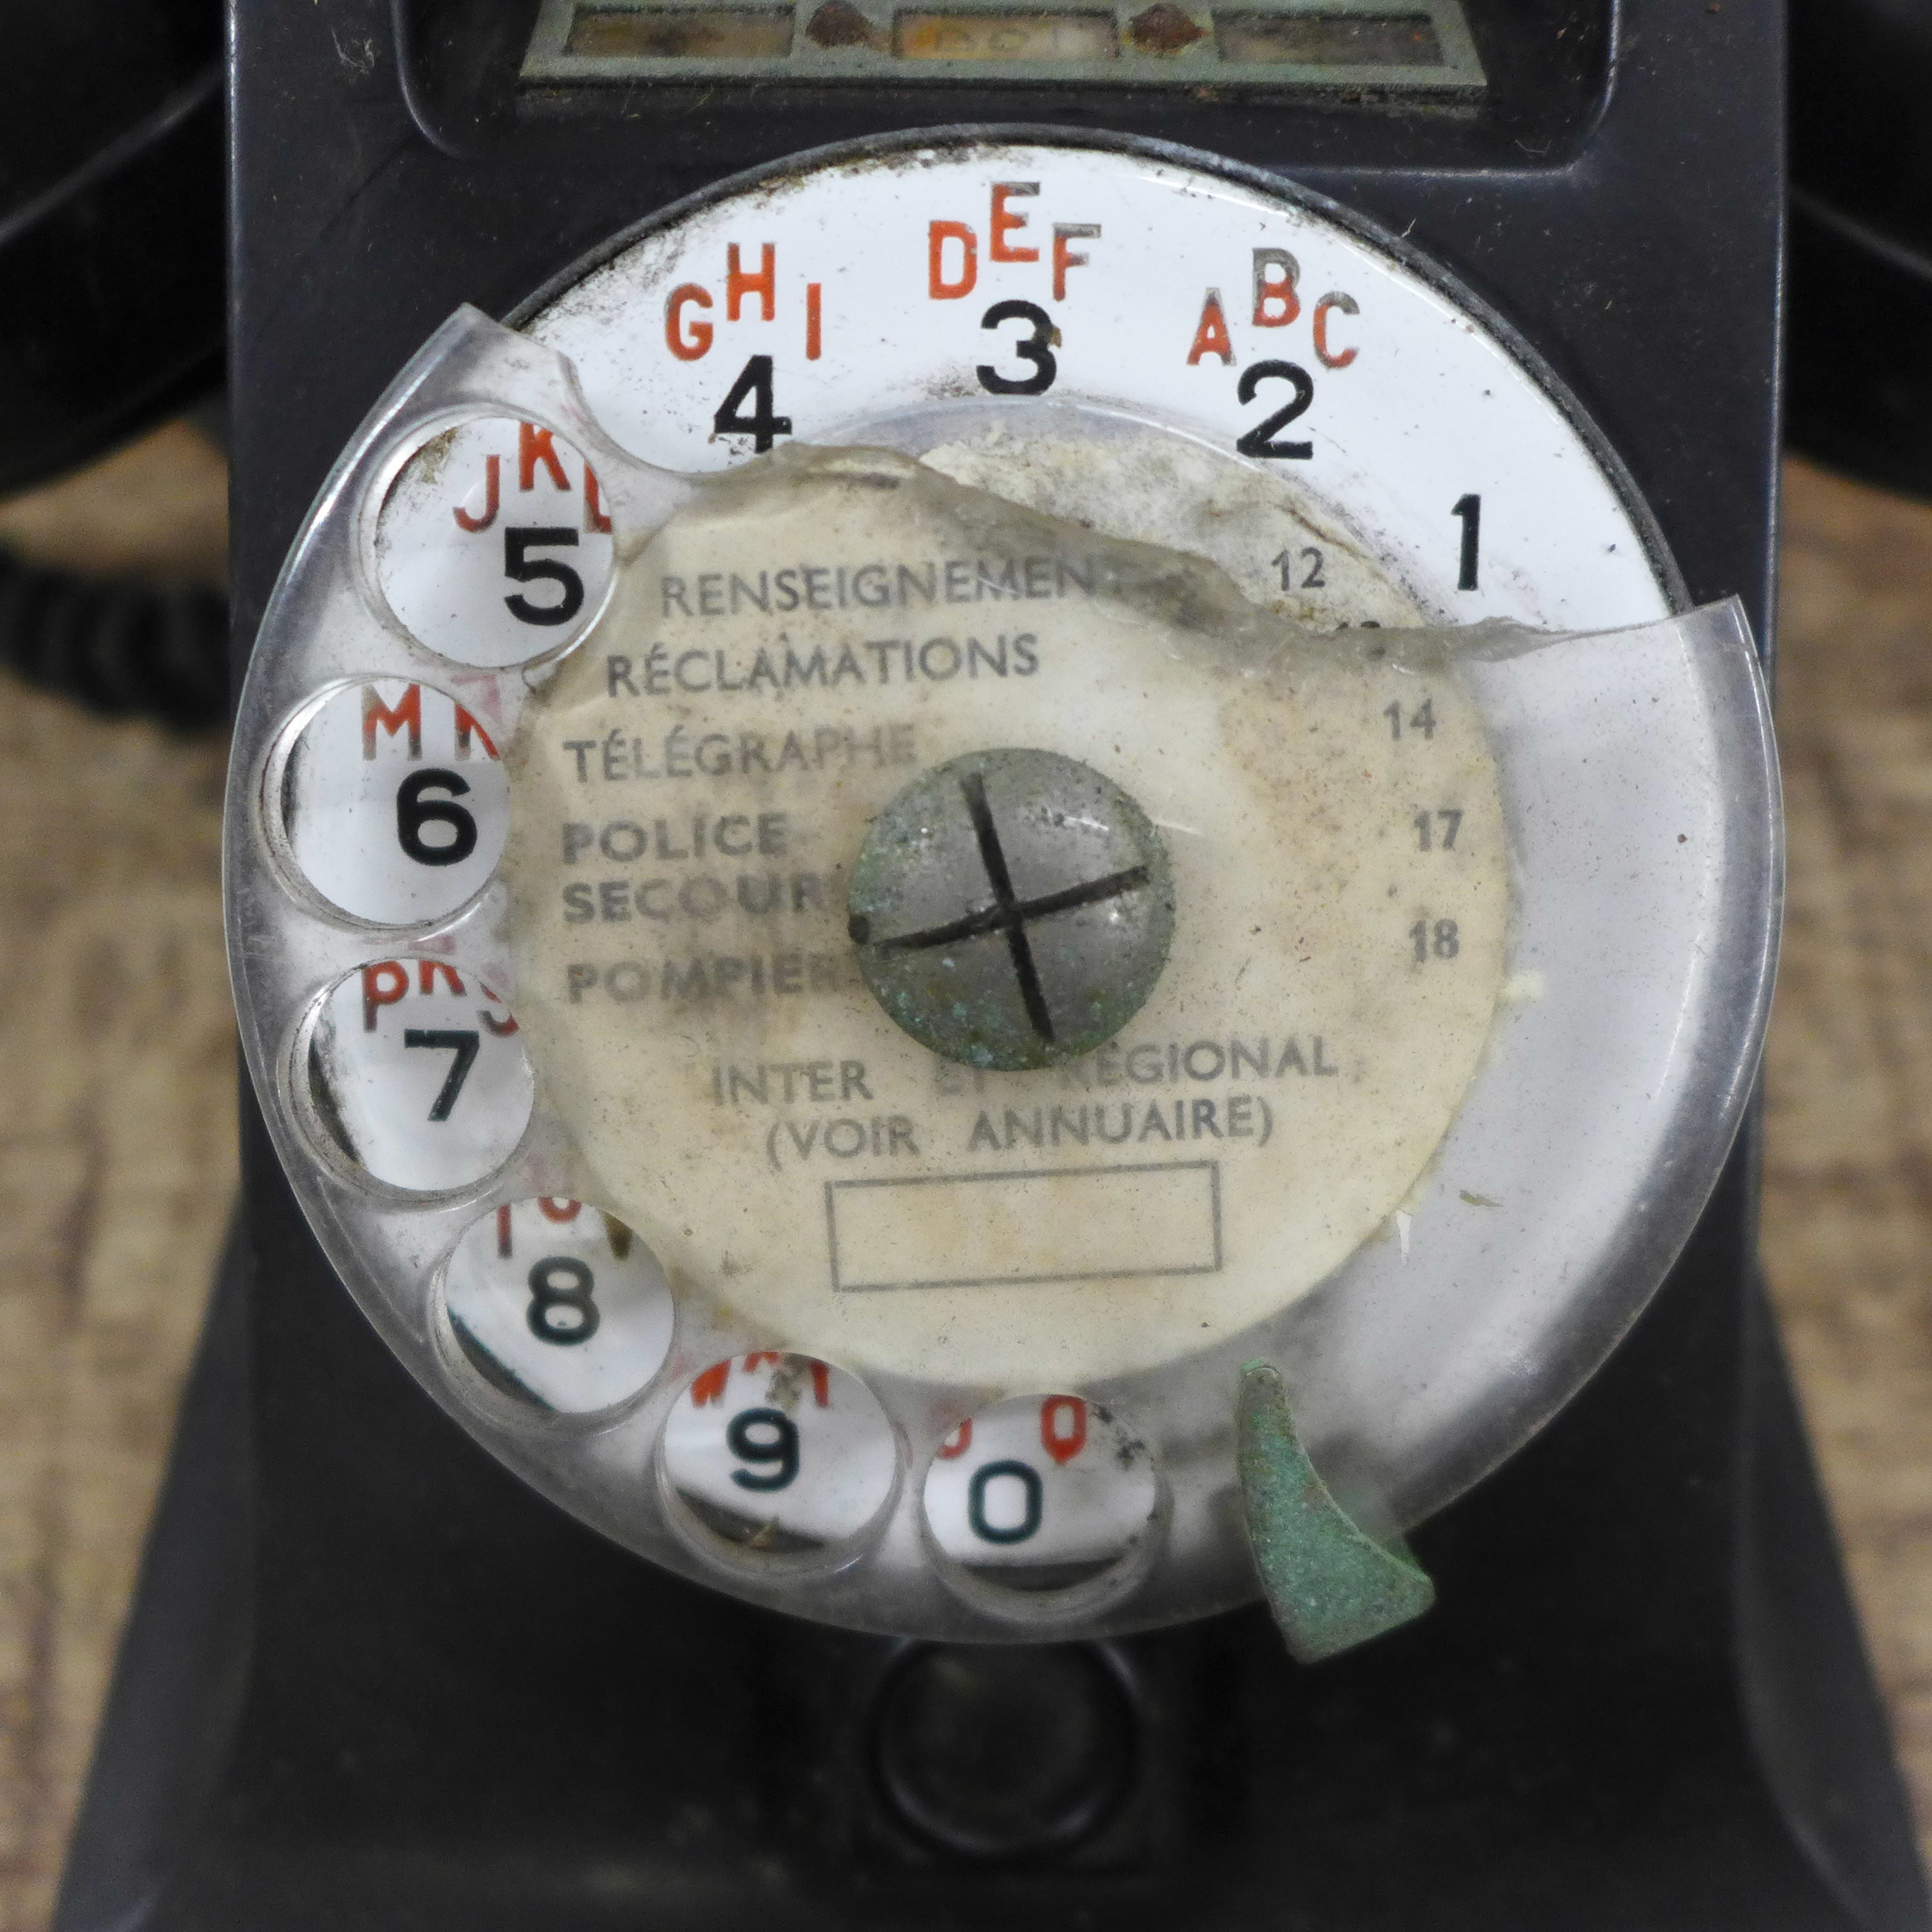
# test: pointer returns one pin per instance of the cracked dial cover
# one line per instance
(964, 784)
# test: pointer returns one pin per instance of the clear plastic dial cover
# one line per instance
(721, 755)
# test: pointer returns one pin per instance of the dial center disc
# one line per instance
(1228, 1103)
(1011, 909)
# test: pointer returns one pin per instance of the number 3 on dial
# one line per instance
(1036, 348)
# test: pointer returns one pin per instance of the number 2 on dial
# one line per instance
(1260, 441)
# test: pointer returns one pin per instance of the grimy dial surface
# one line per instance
(1149, 354)
(551, 921)
(689, 794)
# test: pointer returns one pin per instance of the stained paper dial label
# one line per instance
(688, 795)
(1136, 350)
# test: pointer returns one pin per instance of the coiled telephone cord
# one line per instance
(123, 648)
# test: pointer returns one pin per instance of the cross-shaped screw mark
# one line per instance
(970, 833)
(1009, 913)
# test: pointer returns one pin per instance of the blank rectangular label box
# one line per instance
(1005, 1230)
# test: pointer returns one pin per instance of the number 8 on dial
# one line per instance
(558, 1305)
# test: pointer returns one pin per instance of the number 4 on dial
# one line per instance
(763, 426)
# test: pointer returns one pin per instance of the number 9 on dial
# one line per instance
(779, 1455)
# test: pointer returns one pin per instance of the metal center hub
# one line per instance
(1011, 909)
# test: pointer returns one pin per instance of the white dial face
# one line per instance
(1042, 1493)
(1129, 349)
(416, 1075)
(779, 1455)
(868, 856)
(833, 302)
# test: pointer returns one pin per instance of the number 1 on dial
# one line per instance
(1470, 509)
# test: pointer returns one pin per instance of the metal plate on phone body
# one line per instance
(1350, 49)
